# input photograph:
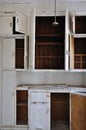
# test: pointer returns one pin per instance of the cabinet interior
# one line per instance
(49, 46)
(60, 110)
(22, 107)
(78, 49)
(19, 53)
(80, 53)
(80, 24)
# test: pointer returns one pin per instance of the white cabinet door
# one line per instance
(8, 98)
(6, 25)
(8, 54)
(20, 23)
(69, 28)
(39, 111)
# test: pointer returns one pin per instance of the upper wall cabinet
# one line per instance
(20, 23)
(8, 53)
(80, 24)
(15, 24)
(77, 52)
(77, 43)
(50, 43)
(14, 52)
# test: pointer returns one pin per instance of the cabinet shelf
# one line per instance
(64, 102)
(80, 60)
(22, 104)
(49, 46)
(49, 43)
(49, 57)
(78, 53)
(19, 53)
(50, 35)
(22, 107)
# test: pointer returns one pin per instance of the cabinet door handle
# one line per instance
(39, 102)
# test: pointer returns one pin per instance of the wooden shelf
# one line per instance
(78, 53)
(19, 53)
(80, 61)
(60, 107)
(49, 45)
(50, 35)
(22, 107)
(59, 102)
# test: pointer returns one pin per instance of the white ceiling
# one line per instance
(39, 1)
(47, 6)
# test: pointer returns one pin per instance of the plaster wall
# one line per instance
(69, 78)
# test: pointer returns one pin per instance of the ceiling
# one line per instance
(47, 6)
(36, 2)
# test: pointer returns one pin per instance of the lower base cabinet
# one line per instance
(49, 111)
(43, 110)
(39, 111)
(22, 107)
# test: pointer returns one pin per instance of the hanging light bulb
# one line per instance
(55, 23)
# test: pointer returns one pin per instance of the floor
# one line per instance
(59, 125)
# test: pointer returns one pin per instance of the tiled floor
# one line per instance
(59, 125)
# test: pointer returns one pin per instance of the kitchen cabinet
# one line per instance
(8, 53)
(12, 24)
(47, 110)
(14, 52)
(78, 111)
(39, 113)
(49, 46)
(77, 43)
(60, 110)
(22, 107)
(20, 23)
(8, 98)
(77, 52)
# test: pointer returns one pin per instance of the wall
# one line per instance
(85, 79)
(70, 78)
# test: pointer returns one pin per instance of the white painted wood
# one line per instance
(73, 22)
(67, 40)
(39, 116)
(8, 98)
(32, 41)
(20, 22)
(8, 54)
(6, 26)
(26, 52)
(0, 53)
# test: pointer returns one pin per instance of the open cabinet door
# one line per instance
(78, 111)
(68, 30)
(20, 23)
(8, 54)
(71, 52)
